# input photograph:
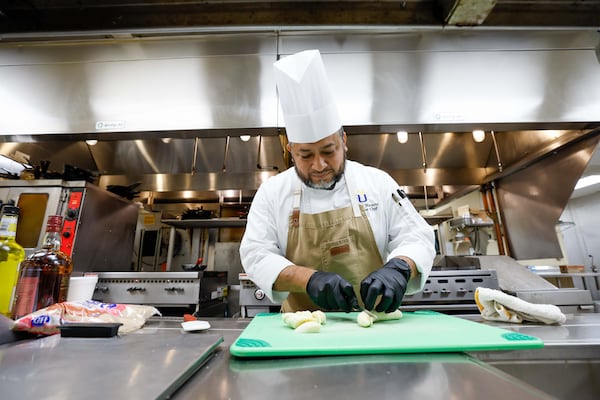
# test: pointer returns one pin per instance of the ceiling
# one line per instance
(22, 18)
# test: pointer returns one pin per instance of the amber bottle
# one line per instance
(44, 276)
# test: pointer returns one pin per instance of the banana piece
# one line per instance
(365, 320)
(304, 321)
(298, 318)
(320, 317)
(309, 327)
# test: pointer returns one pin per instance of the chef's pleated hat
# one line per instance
(309, 110)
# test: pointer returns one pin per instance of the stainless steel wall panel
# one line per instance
(74, 153)
(135, 49)
(185, 182)
(149, 156)
(434, 39)
(443, 150)
(153, 156)
(136, 86)
(459, 77)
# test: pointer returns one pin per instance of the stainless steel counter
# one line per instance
(409, 376)
(569, 365)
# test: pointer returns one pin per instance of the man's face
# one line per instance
(320, 165)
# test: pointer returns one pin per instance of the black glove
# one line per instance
(331, 292)
(388, 281)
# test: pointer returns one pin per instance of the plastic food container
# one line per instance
(86, 329)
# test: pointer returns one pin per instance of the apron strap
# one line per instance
(352, 194)
(296, 205)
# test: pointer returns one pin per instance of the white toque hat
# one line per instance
(309, 110)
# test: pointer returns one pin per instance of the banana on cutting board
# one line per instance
(310, 322)
(305, 321)
(367, 319)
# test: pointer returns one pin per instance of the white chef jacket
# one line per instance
(398, 228)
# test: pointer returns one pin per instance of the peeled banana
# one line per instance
(305, 321)
(365, 320)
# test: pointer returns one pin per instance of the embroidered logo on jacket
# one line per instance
(366, 203)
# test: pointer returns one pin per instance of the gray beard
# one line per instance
(322, 185)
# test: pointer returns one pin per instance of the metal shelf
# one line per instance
(206, 223)
(469, 222)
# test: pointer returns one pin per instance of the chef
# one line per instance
(330, 233)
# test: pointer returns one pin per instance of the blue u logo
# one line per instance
(362, 197)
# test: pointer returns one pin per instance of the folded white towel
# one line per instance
(495, 305)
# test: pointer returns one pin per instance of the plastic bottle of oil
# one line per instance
(11, 255)
(44, 276)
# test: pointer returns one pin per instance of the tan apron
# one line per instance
(339, 241)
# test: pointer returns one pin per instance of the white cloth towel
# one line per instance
(495, 305)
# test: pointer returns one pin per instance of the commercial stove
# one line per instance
(195, 290)
(253, 300)
(451, 290)
(451, 285)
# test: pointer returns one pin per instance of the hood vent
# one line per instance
(532, 199)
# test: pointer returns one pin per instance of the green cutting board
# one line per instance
(416, 332)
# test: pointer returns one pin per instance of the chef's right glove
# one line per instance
(389, 282)
(331, 292)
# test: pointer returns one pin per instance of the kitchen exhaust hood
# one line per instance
(535, 89)
(426, 80)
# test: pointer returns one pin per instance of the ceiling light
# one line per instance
(92, 142)
(245, 138)
(478, 135)
(402, 136)
(166, 140)
(587, 181)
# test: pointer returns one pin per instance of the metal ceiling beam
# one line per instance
(106, 15)
(37, 15)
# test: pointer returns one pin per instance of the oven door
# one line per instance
(36, 199)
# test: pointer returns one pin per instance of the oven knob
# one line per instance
(71, 214)
(259, 294)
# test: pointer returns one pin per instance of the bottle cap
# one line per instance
(10, 209)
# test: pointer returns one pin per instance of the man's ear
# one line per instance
(344, 138)
(288, 147)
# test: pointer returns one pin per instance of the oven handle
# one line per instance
(175, 289)
(136, 289)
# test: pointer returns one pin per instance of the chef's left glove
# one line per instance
(331, 292)
(390, 282)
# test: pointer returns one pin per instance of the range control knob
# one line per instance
(71, 214)
(259, 294)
